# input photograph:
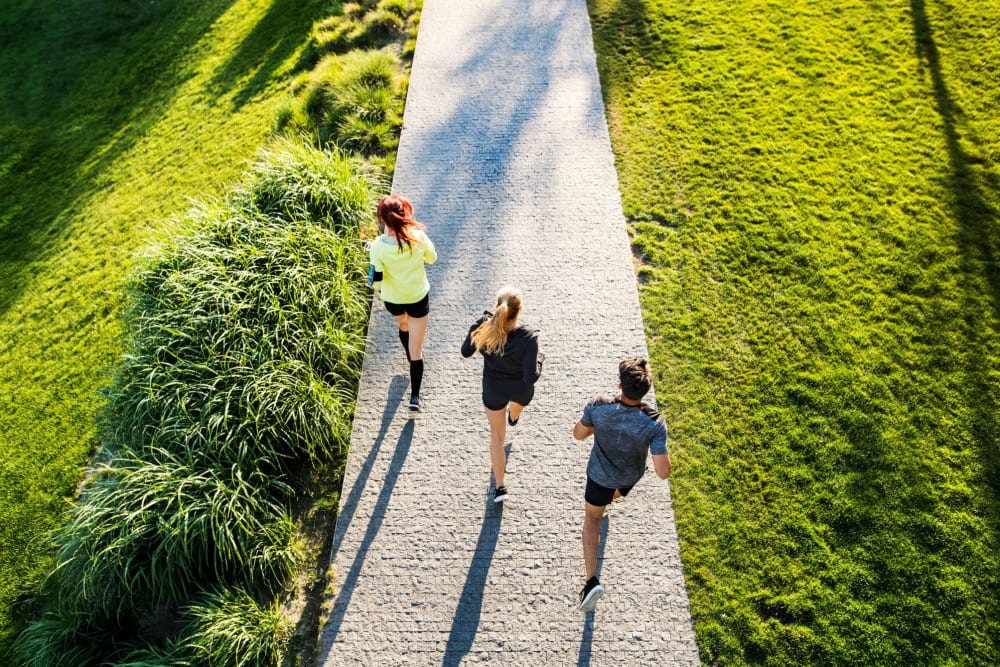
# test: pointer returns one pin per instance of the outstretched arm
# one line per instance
(661, 464)
(430, 252)
(584, 428)
(467, 347)
(531, 369)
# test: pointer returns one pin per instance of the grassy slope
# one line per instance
(113, 113)
(814, 189)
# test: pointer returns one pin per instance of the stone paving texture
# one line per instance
(505, 154)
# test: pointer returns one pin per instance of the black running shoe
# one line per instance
(500, 494)
(590, 594)
(414, 406)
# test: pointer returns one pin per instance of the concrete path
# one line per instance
(505, 154)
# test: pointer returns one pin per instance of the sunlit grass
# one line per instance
(813, 192)
(113, 117)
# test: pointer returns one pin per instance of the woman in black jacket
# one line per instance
(511, 366)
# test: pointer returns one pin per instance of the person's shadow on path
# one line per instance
(340, 604)
(465, 624)
(349, 504)
(588, 620)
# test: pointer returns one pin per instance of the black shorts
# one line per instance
(419, 309)
(601, 496)
(496, 395)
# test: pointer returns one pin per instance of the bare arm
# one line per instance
(581, 432)
(661, 464)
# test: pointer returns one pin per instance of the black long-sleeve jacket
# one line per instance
(518, 361)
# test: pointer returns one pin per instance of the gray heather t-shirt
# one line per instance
(622, 436)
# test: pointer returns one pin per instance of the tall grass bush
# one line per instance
(353, 100)
(150, 534)
(170, 655)
(291, 180)
(367, 25)
(232, 628)
(250, 327)
(62, 639)
(246, 338)
(353, 96)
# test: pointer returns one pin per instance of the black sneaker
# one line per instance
(414, 406)
(500, 494)
(590, 594)
(512, 422)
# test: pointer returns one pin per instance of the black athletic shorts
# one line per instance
(496, 395)
(419, 309)
(601, 496)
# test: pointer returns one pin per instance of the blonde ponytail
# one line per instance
(491, 336)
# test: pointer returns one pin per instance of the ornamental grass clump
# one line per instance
(353, 100)
(232, 628)
(61, 639)
(246, 336)
(297, 182)
(249, 327)
(366, 25)
(150, 534)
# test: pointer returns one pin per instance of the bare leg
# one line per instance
(515, 410)
(418, 328)
(592, 516)
(498, 433)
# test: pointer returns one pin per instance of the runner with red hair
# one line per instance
(396, 272)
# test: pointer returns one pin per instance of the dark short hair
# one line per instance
(636, 378)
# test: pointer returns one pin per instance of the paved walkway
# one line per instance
(505, 154)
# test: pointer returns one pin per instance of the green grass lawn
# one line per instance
(813, 190)
(112, 114)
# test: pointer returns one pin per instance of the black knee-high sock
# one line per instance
(416, 376)
(404, 338)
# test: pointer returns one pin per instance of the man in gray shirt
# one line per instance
(624, 430)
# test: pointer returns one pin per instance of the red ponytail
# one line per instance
(396, 213)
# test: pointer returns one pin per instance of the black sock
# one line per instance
(416, 376)
(404, 338)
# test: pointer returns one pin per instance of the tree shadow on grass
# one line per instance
(81, 83)
(974, 187)
(276, 37)
(978, 218)
(628, 31)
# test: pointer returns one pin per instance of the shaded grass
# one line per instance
(112, 114)
(813, 191)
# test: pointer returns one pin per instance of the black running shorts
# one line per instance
(601, 496)
(419, 309)
(496, 395)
